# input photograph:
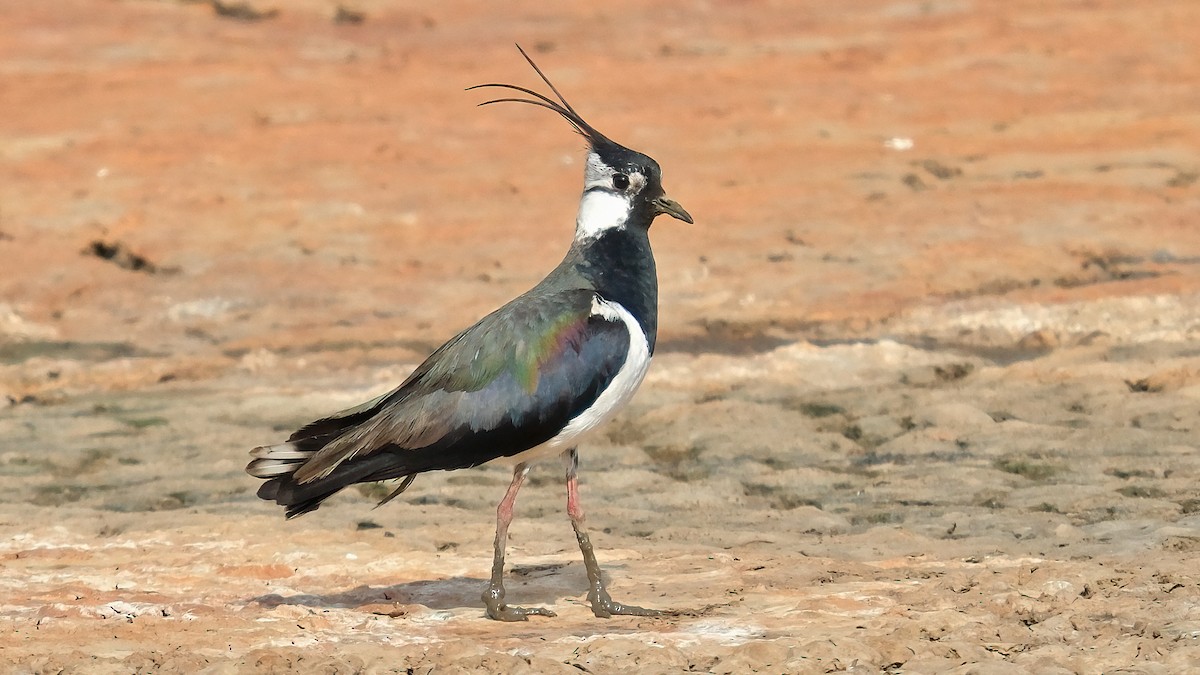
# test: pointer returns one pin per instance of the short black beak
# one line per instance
(673, 209)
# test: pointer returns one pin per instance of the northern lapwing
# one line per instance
(525, 383)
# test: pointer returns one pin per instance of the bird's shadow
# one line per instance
(528, 585)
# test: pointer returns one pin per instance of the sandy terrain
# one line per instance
(928, 380)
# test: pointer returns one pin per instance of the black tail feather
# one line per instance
(300, 498)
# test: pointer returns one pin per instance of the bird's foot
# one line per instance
(604, 606)
(493, 599)
(511, 613)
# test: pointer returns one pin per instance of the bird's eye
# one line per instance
(620, 181)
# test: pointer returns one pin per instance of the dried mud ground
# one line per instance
(928, 379)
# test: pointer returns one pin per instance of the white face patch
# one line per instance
(596, 173)
(603, 206)
(600, 212)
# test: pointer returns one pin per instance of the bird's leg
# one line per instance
(603, 605)
(493, 597)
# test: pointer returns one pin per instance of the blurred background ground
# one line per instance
(926, 391)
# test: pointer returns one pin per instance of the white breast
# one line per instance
(613, 398)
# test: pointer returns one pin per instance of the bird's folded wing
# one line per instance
(507, 384)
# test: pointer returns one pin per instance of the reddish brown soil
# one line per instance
(925, 398)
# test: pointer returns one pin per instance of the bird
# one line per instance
(525, 383)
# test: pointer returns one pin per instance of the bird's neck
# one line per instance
(620, 266)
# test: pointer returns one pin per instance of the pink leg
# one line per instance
(493, 597)
(603, 605)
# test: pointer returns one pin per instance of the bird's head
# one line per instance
(621, 187)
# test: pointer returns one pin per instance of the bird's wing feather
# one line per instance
(508, 383)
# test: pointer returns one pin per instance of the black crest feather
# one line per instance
(542, 101)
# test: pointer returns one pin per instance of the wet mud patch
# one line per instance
(19, 352)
